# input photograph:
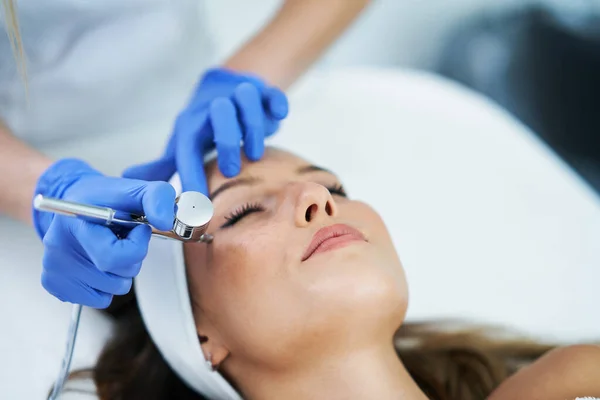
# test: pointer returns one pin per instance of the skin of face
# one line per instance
(261, 307)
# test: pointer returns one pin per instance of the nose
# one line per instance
(313, 203)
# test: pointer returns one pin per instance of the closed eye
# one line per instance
(337, 190)
(240, 213)
(250, 208)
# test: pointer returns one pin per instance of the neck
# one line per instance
(368, 374)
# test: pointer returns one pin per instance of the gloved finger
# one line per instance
(276, 103)
(158, 170)
(107, 252)
(67, 262)
(101, 301)
(190, 154)
(111, 284)
(51, 281)
(271, 126)
(91, 297)
(68, 290)
(228, 136)
(156, 200)
(86, 272)
(131, 272)
(252, 116)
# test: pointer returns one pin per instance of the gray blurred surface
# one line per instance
(543, 65)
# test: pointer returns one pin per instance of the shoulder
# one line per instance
(562, 373)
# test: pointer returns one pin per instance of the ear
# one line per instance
(215, 352)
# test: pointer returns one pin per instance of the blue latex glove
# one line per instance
(85, 262)
(226, 109)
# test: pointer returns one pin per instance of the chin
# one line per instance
(382, 294)
(366, 292)
(381, 289)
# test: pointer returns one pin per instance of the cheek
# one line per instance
(247, 293)
(235, 270)
(363, 285)
(356, 290)
(396, 296)
(374, 224)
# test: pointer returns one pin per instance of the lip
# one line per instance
(332, 237)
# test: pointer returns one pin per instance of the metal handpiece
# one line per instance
(66, 362)
(194, 212)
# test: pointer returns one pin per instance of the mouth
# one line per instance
(331, 238)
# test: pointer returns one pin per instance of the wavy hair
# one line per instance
(447, 361)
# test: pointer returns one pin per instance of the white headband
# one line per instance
(164, 302)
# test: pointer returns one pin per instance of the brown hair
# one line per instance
(448, 363)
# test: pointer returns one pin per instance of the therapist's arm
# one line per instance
(294, 39)
(20, 167)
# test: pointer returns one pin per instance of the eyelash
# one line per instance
(250, 208)
(337, 190)
(242, 212)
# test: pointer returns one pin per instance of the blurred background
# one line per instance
(539, 59)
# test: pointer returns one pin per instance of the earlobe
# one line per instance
(214, 352)
(210, 364)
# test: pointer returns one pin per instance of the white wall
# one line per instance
(390, 32)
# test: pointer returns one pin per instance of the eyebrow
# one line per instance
(233, 183)
(251, 180)
(312, 168)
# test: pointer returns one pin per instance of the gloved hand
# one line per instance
(85, 262)
(226, 109)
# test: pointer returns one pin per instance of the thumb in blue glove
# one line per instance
(85, 262)
(226, 110)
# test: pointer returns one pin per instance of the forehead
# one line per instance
(274, 163)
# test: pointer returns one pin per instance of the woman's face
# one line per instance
(296, 270)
